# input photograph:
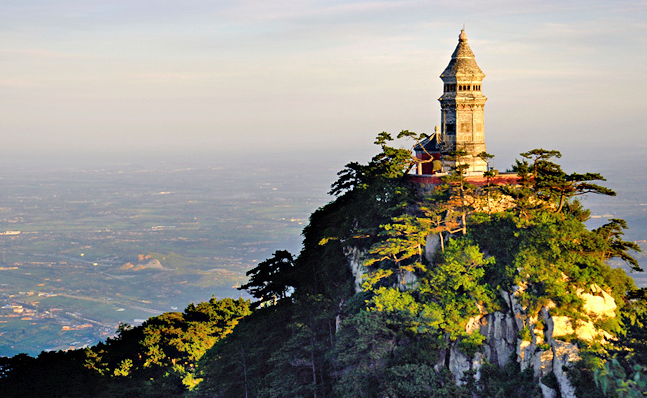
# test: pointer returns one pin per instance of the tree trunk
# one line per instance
(314, 369)
(464, 223)
(323, 388)
(489, 210)
(242, 350)
(561, 203)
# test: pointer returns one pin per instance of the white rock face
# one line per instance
(356, 264)
(547, 391)
(503, 342)
(409, 281)
(502, 331)
(431, 246)
(597, 306)
(460, 363)
(600, 304)
(356, 259)
(564, 354)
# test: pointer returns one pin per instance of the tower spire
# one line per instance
(463, 35)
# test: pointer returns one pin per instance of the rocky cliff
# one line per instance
(540, 342)
(542, 349)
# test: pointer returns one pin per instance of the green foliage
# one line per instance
(410, 380)
(614, 381)
(471, 343)
(391, 334)
(393, 300)
(237, 365)
(525, 334)
(500, 234)
(617, 365)
(374, 355)
(380, 174)
(272, 280)
(364, 345)
(544, 185)
(124, 368)
(57, 374)
(298, 367)
(412, 316)
(156, 359)
(171, 344)
(509, 381)
(552, 255)
(456, 284)
(611, 233)
(421, 380)
(581, 373)
(459, 193)
(543, 347)
(368, 197)
(401, 249)
(288, 360)
(632, 343)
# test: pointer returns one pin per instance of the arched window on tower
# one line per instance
(450, 87)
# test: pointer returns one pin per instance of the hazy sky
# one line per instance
(142, 76)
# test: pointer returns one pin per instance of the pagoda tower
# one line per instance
(461, 105)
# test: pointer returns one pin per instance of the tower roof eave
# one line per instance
(463, 62)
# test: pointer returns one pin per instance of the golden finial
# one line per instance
(463, 35)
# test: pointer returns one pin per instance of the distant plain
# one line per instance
(120, 243)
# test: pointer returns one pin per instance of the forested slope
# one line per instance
(156, 359)
(404, 292)
(462, 287)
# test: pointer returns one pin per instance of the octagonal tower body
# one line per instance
(462, 103)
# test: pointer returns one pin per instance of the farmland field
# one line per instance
(101, 246)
